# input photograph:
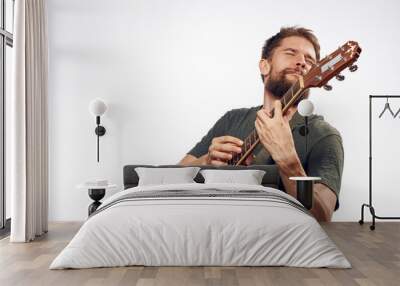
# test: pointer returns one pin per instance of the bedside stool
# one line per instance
(96, 193)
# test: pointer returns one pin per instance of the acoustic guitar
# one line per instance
(318, 76)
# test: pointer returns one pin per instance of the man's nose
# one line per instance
(301, 62)
(302, 65)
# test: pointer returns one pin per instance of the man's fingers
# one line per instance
(220, 155)
(293, 110)
(229, 139)
(263, 116)
(266, 112)
(228, 148)
(223, 148)
(289, 113)
(258, 125)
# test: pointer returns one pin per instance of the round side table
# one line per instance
(96, 193)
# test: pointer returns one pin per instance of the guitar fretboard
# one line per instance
(292, 96)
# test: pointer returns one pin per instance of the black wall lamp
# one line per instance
(304, 185)
(97, 107)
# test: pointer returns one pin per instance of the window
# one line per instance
(6, 44)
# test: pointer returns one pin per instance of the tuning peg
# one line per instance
(340, 77)
(353, 68)
(327, 87)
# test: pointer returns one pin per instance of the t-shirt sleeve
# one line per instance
(220, 128)
(326, 161)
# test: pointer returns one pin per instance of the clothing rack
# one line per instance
(369, 205)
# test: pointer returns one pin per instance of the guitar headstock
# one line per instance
(332, 65)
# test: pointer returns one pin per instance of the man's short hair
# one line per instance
(272, 43)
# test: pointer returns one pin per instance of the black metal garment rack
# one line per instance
(369, 205)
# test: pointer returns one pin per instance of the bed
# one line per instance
(201, 224)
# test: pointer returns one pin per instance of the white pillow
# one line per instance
(248, 177)
(162, 176)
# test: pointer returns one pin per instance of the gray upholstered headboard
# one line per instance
(270, 179)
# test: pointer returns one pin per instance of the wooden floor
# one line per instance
(374, 255)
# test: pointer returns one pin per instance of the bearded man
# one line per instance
(290, 53)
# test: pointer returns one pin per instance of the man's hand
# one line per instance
(222, 148)
(275, 133)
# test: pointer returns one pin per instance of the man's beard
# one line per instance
(280, 85)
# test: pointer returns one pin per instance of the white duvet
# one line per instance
(200, 231)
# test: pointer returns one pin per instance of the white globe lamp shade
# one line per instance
(305, 107)
(97, 107)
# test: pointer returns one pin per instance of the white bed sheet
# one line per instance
(200, 231)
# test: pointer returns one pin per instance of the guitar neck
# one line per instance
(291, 97)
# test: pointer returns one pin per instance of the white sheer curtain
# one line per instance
(28, 121)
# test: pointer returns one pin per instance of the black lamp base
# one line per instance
(303, 130)
(96, 195)
(100, 130)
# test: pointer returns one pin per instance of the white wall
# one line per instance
(169, 69)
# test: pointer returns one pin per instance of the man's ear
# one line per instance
(265, 67)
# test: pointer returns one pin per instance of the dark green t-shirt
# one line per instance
(324, 157)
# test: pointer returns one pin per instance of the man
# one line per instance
(290, 53)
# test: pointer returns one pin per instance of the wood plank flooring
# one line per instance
(374, 255)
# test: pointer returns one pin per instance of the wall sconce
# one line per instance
(97, 107)
(304, 185)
